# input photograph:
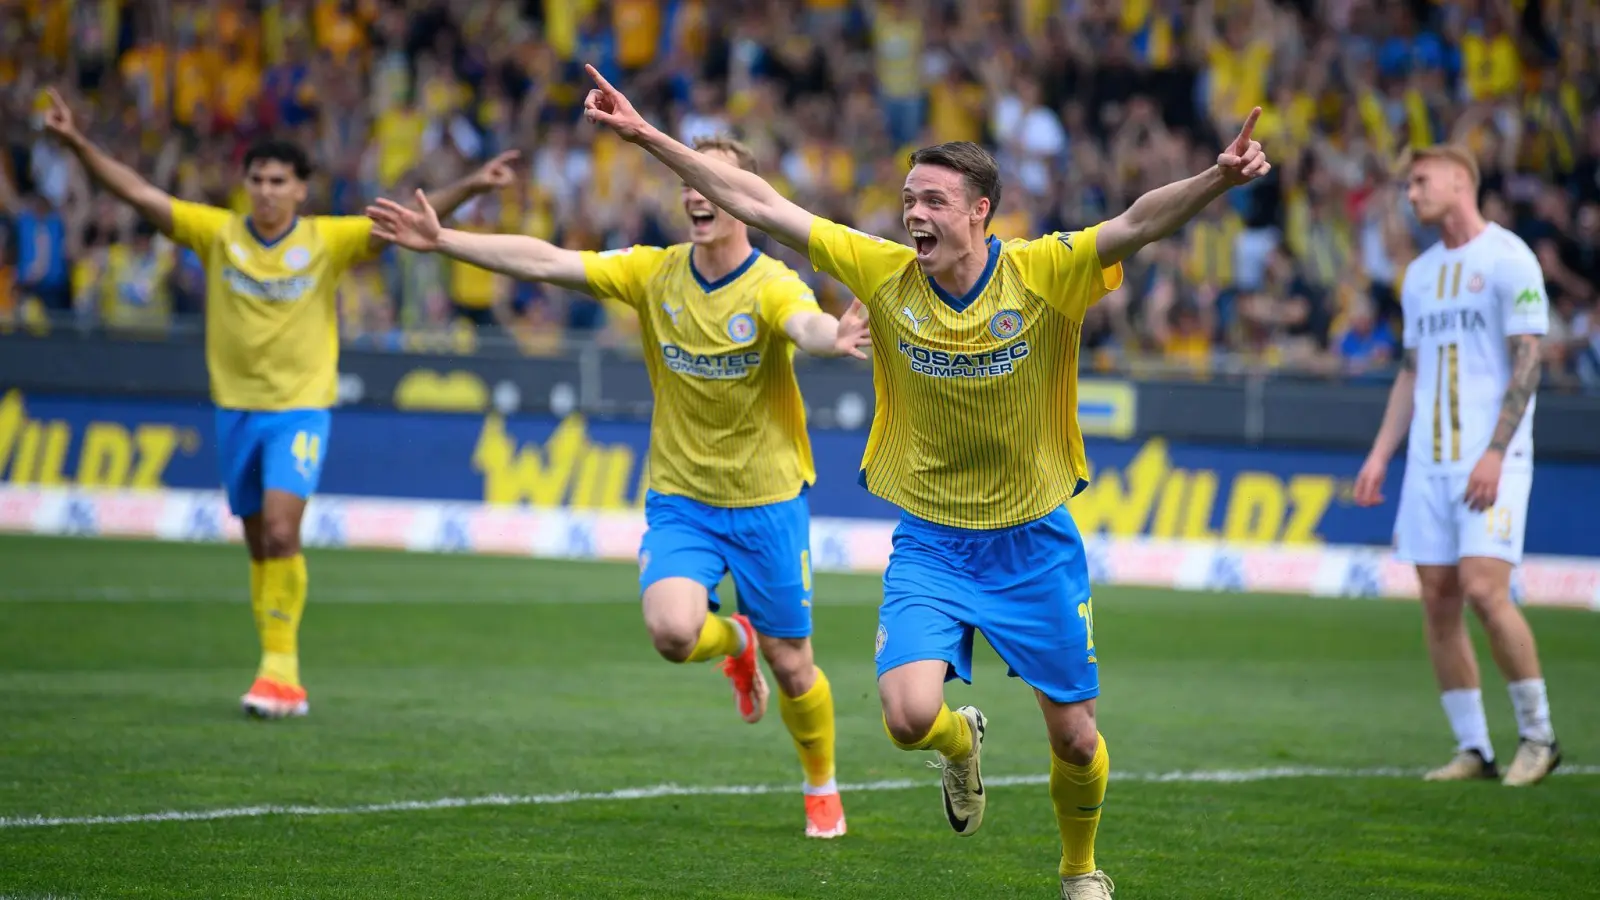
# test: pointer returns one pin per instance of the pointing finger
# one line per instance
(1249, 126)
(599, 79)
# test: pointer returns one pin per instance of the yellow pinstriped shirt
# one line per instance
(976, 419)
(729, 427)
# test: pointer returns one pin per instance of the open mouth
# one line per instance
(924, 240)
(701, 217)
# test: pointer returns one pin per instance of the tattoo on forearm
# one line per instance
(1524, 383)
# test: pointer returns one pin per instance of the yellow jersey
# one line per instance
(272, 312)
(728, 428)
(976, 415)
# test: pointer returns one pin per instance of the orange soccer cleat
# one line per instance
(824, 816)
(749, 685)
(268, 699)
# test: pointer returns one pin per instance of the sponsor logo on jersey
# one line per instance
(1066, 239)
(985, 364)
(270, 290)
(672, 311)
(742, 328)
(1452, 321)
(916, 323)
(1006, 324)
(709, 365)
(1528, 297)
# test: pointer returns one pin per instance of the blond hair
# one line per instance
(742, 155)
(1455, 153)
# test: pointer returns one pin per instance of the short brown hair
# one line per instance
(976, 165)
(742, 155)
(1456, 153)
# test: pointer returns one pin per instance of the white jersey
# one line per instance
(1460, 306)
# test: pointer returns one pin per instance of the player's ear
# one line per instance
(980, 209)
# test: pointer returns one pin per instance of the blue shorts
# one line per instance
(270, 451)
(1026, 588)
(767, 548)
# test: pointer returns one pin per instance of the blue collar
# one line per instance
(724, 281)
(251, 227)
(959, 304)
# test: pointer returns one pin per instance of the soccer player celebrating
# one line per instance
(1475, 307)
(730, 460)
(272, 350)
(975, 438)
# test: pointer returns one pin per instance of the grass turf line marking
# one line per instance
(1221, 776)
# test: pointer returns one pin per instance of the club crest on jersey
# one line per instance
(1475, 283)
(1006, 324)
(883, 638)
(297, 258)
(742, 328)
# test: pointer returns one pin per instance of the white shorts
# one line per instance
(1435, 526)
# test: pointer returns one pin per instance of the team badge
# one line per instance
(1006, 324)
(1475, 284)
(297, 258)
(644, 561)
(742, 328)
(883, 638)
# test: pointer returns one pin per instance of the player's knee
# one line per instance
(280, 537)
(1077, 743)
(673, 640)
(1487, 595)
(1442, 612)
(907, 726)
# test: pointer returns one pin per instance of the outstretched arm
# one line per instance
(152, 203)
(820, 334)
(744, 195)
(493, 175)
(526, 258)
(1164, 210)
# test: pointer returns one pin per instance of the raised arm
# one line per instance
(154, 204)
(491, 176)
(526, 258)
(1164, 210)
(744, 195)
(820, 334)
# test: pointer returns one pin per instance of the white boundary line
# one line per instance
(1221, 776)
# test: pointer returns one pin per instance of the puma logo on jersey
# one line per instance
(672, 312)
(916, 323)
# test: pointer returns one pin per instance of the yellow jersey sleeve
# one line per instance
(621, 274)
(194, 225)
(348, 238)
(783, 297)
(860, 261)
(1064, 268)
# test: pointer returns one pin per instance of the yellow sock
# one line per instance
(283, 600)
(810, 720)
(1078, 792)
(256, 607)
(950, 736)
(718, 637)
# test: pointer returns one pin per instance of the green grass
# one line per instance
(433, 677)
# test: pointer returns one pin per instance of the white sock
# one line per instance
(1533, 710)
(744, 637)
(1464, 706)
(811, 790)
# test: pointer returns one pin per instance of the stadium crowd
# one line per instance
(1087, 103)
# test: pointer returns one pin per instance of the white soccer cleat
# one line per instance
(962, 783)
(1466, 765)
(1534, 760)
(1094, 886)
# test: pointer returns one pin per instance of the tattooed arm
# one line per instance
(1483, 485)
(1524, 383)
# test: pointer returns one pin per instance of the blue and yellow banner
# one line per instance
(1145, 486)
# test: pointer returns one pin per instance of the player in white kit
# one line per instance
(1475, 308)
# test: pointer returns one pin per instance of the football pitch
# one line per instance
(490, 728)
